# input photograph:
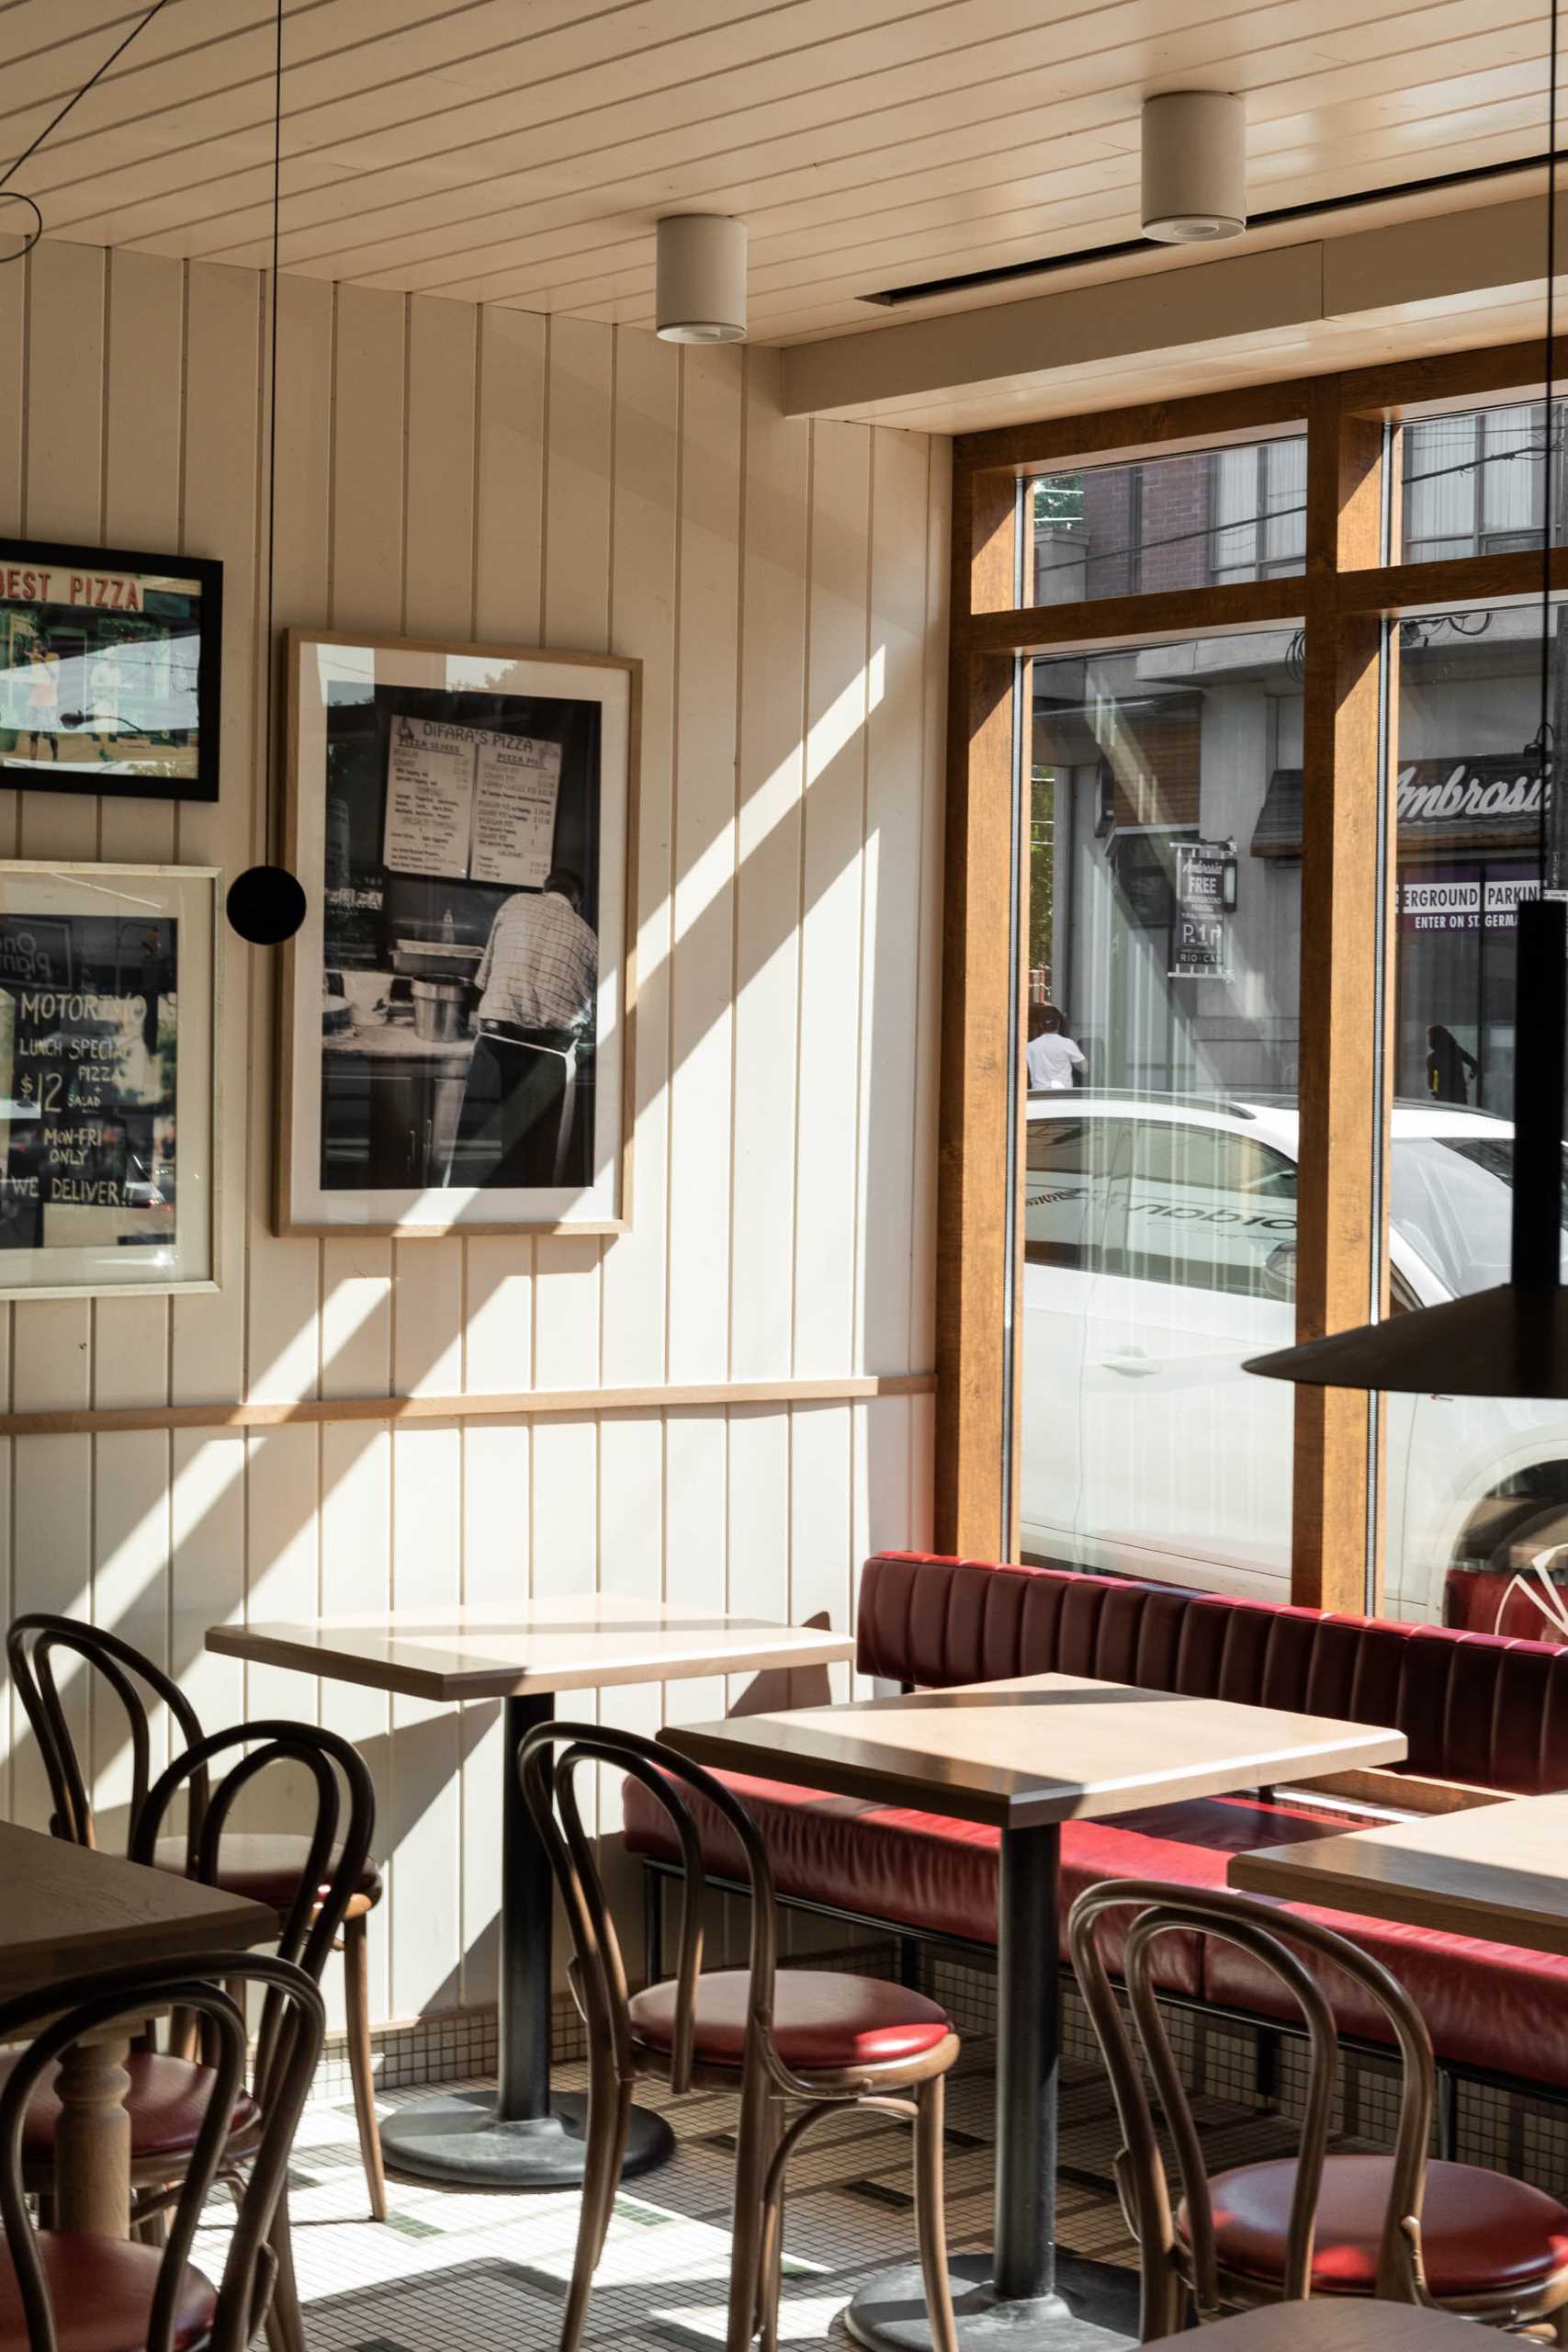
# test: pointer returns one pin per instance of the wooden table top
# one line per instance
(70, 1909)
(1497, 1872)
(566, 1644)
(1043, 1748)
(1340, 2324)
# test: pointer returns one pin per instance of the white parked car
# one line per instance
(1159, 1240)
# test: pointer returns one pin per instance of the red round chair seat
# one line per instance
(262, 1865)
(101, 2290)
(1480, 2233)
(820, 2019)
(166, 2101)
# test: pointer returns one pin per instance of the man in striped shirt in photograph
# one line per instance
(537, 980)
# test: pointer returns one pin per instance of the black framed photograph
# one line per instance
(109, 1007)
(457, 1004)
(109, 670)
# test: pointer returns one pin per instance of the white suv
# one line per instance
(1159, 1245)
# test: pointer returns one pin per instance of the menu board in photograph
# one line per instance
(469, 804)
(88, 1075)
(516, 786)
(430, 797)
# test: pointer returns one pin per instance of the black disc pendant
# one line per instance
(266, 905)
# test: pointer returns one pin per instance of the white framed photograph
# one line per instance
(109, 1004)
(457, 1004)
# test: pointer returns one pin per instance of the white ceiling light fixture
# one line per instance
(701, 278)
(1194, 167)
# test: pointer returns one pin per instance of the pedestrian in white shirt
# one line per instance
(1050, 1056)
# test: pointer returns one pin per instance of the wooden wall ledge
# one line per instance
(518, 1405)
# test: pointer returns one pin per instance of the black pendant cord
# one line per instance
(267, 904)
(30, 240)
(269, 839)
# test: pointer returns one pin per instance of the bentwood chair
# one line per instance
(809, 2039)
(1452, 2237)
(93, 2295)
(266, 1867)
(169, 2094)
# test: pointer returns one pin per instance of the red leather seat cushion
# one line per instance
(930, 1871)
(1486, 2005)
(1480, 2233)
(820, 2019)
(166, 2101)
(101, 2294)
(262, 1866)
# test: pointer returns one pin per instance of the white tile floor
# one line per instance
(487, 2273)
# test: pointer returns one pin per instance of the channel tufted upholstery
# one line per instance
(1473, 1707)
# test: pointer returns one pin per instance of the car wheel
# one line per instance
(1490, 1586)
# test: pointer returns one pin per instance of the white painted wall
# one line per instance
(522, 481)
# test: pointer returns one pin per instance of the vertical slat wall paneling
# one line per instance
(222, 499)
(64, 501)
(356, 1574)
(889, 953)
(701, 977)
(642, 621)
(576, 617)
(518, 482)
(767, 886)
(702, 982)
(367, 453)
(766, 985)
(826, 1237)
(426, 1831)
(143, 507)
(927, 987)
(282, 1307)
(52, 1337)
(579, 504)
(498, 1324)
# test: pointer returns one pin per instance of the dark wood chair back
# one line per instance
(52, 2020)
(31, 1646)
(549, 1761)
(335, 1856)
(1276, 1940)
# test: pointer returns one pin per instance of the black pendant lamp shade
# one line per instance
(1511, 1341)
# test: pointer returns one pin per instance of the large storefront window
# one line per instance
(1161, 1138)
(1474, 1487)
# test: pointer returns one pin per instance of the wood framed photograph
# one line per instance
(109, 670)
(457, 1006)
(110, 989)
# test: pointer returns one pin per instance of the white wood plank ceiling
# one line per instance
(518, 152)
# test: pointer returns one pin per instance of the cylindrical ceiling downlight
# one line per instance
(1194, 167)
(701, 278)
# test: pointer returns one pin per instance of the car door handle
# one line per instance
(1135, 1364)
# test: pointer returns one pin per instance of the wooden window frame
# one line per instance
(1344, 596)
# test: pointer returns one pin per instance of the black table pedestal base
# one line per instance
(457, 2142)
(1095, 2309)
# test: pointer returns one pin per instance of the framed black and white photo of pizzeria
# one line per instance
(109, 671)
(109, 998)
(457, 1006)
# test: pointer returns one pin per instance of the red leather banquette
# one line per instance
(1473, 1708)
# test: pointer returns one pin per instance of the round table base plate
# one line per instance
(457, 2142)
(1095, 2310)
